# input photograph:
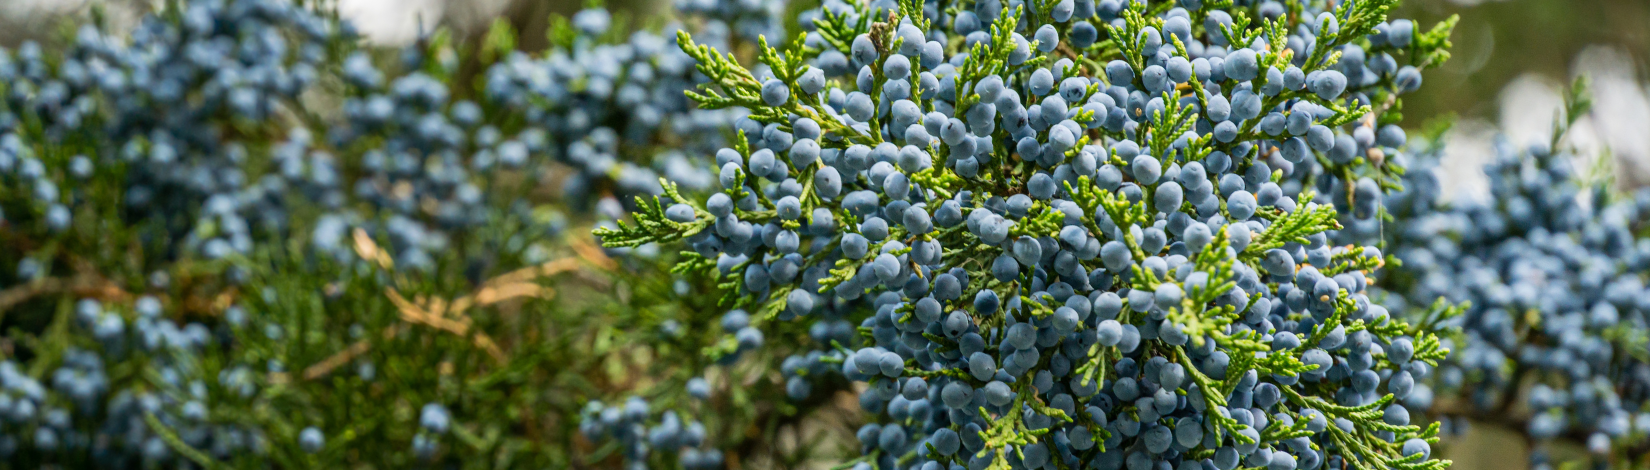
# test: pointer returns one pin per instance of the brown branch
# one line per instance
(435, 311)
(325, 367)
(528, 273)
(593, 255)
(16, 295)
(321, 369)
(368, 250)
(82, 285)
(415, 314)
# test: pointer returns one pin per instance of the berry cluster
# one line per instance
(424, 170)
(201, 165)
(627, 424)
(161, 116)
(1025, 233)
(614, 112)
(86, 412)
(749, 20)
(1548, 276)
(1070, 252)
(140, 143)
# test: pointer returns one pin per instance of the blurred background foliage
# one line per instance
(1496, 42)
(1511, 59)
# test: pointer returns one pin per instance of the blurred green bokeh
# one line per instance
(1497, 41)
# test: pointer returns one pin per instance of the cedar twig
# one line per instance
(321, 369)
(83, 285)
(170, 437)
(368, 250)
(415, 314)
(450, 315)
(593, 255)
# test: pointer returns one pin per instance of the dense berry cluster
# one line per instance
(749, 20)
(1070, 251)
(627, 423)
(150, 132)
(1550, 277)
(85, 411)
(162, 112)
(1029, 233)
(203, 144)
(425, 168)
(615, 112)
(1308, 133)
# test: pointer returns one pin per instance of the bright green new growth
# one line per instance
(1204, 314)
